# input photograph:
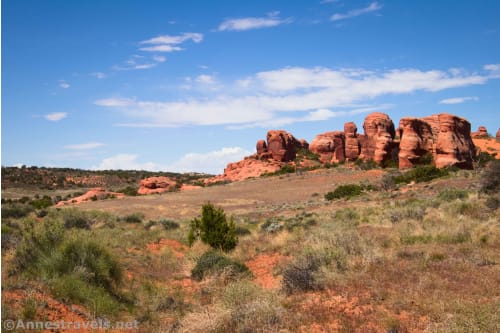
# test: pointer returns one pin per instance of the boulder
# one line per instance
(154, 185)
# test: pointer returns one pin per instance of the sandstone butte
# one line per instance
(444, 137)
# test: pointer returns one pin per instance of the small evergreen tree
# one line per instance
(214, 229)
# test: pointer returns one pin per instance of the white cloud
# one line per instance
(328, 1)
(212, 162)
(248, 23)
(63, 84)
(99, 75)
(374, 6)
(56, 116)
(125, 162)
(458, 100)
(205, 79)
(158, 58)
(115, 102)
(169, 43)
(493, 69)
(285, 95)
(85, 146)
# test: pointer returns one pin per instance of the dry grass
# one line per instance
(411, 260)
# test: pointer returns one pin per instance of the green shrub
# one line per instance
(420, 174)
(483, 158)
(242, 231)
(300, 276)
(490, 178)
(453, 194)
(43, 202)
(271, 225)
(91, 261)
(344, 191)
(214, 229)
(169, 224)
(366, 165)
(212, 262)
(16, 210)
(129, 191)
(133, 218)
(74, 218)
(96, 298)
(492, 203)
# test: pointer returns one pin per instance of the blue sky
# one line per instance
(192, 85)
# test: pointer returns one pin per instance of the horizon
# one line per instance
(187, 86)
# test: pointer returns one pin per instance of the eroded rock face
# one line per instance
(352, 145)
(330, 146)
(445, 136)
(416, 140)
(282, 145)
(377, 144)
(247, 168)
(498, 135)
(154, 185)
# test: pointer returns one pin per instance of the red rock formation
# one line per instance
(261, 147)
(416, 140)
(482, 132)
(97, 193)
(153, 185)
(282, 145)
(352, 146)
(377, 144)
(329, 146)
(247, 168)
(445, 136)
(498, 135)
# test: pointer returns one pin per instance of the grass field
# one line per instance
(422, 257)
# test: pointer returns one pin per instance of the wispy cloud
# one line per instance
(85, 146)
(126, 162)
(212, 162)
(137, 62)
(328, 1)
(458, 100)
(56, 116)
(115, 102)
(374, 6)
(63, 84)
(169, 43)
(249, 23)
(289, 95)
(205, 79)
(99, 75)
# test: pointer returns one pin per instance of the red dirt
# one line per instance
(262, 268)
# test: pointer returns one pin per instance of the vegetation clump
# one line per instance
(212, 262)
(214, 229)
(490, 179)
(344, 191)
(420, 174)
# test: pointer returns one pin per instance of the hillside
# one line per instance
(410, 252)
